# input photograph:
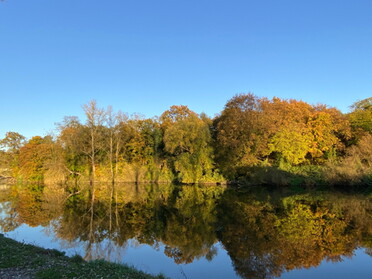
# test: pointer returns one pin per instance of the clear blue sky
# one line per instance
(144, 56)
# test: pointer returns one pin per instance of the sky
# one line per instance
(145, 56)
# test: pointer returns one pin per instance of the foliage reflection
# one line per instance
(264, 234)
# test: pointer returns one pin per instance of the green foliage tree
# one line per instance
(187, 140)
(361, 115)
(72, 137)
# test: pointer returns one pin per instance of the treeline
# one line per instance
(253, 140)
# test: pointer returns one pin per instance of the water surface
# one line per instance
(198, 231)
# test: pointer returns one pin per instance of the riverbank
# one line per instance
(19, 260)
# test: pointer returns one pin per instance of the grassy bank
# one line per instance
(18, 260)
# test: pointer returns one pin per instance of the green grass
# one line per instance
(45, 263)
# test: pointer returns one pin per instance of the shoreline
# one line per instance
(20, 260)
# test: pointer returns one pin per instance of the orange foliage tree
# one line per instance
(33, 157)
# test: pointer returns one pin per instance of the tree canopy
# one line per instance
(250, 133)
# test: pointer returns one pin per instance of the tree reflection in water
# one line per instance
(264, 233)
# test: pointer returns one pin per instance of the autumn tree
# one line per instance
(254, 131)
(302, 133)
(11, 144)
(330, 131)
(119, 137)
(72, 137)
(239, 134)
(187, 140)
(144, 142)
(361, 115)
(94, 123)
(142, 147)
(33, 157)
(114, 139)
(292, 142)
(356, 167)
(286, 130)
